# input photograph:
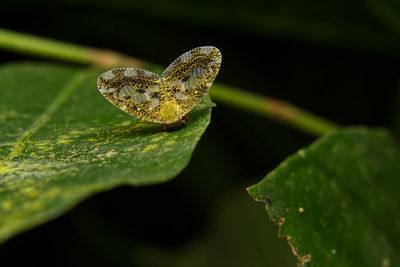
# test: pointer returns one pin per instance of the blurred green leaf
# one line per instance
(394, 111)
(337, 201)
(61, 141)
(238, 235)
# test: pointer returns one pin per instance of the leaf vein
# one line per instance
(66, 91)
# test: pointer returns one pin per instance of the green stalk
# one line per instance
(272, 108)
(269, 107)
(37, 46)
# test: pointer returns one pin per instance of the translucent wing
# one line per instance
(190, 76)
(135, 91)
(165, 99)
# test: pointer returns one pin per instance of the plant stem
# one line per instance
(38, 46)
(269, 107)
(272, 108)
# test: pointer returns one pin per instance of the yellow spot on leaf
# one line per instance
(33, 205)
(140, 125)
(64, 140)
(156, 139)
(149, 147)
(125, 123)
(76, 132)
(7, 114)
(30, 191)
(129, 149)
(4, 169)
(111, 153)
(6, 205)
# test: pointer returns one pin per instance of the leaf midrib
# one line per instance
(20, 144)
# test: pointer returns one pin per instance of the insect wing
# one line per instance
(191, 75)
(134, 91)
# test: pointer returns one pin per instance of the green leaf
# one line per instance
(238, 236)
(337, 201)
(394, 111)
(61, 141)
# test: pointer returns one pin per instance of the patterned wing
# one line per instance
(134, 91)
(190, 76)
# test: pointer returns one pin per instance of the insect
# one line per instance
(167, 98)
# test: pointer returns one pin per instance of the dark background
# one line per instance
(338, 59)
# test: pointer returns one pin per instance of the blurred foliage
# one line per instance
(339, 199)
(338, 59)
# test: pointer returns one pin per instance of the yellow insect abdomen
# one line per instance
(170, 112)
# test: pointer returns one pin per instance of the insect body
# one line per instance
(167, 98)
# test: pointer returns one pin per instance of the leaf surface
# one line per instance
(61, 141)
(337, 201)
